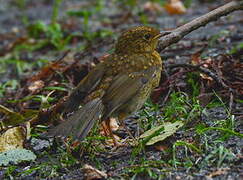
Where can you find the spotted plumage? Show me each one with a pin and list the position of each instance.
(118, 86)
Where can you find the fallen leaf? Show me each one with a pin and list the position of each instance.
(12, 139)
(105, 131)
(175, 7)
(205, 98)
(218, 172)
(161, 132)
(152, 7)
(161, 147)
(59, 65)
(110, 142)
(206, 77)
(36, 85)
(196, 58)
(206, 64)
(27, 130)
(114, 124)
(13, 118)
(91, 173)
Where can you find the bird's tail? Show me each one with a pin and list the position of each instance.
(79, 124)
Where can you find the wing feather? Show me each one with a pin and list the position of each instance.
(88, 84)
(124, 87)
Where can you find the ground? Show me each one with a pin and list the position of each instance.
(78, 33)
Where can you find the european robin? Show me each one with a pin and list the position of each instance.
(116, 87)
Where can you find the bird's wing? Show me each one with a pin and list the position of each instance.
(88, 84)
(126, 86)
(80, 122)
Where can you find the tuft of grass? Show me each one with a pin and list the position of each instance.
(10, 171)
(236, 50)
(187, 145)
(55, 11)
(226, 132)
(42, 35)
(45, 34)
(145, 168)
(86, 15)
(213, 39)
(192, 80)
(21, 4)
(9, 85)
(180, 107)
(218, 156)
(226, 127)
(149, 115)
(187, 3)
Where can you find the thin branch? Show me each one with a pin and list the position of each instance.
(177, 34)
(202, 70)
(231, 102)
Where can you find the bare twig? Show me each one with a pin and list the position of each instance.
(177, 34)
(202, 70)
(231, 102)
(173, 37)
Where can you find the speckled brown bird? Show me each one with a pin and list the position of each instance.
(116, 87)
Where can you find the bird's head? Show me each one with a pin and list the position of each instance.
(141, 39)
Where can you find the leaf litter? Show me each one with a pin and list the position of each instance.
(226, 69)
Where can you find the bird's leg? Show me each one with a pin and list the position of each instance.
(121, 118)
(108, 131)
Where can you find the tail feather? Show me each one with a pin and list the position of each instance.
(79, 124)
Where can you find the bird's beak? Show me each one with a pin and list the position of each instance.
(162, 33)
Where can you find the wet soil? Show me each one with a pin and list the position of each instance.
(217, 38)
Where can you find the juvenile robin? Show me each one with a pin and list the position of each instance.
(116, 87)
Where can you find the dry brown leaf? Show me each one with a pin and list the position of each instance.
(196, 58)
(12, 139)
(161, 147)
(60, 65)
(152, 7)
(36, 85)
(218, 172)
(204, 98)
(91, 173)
(206, 77)
(103, 58)
(114, 124)
(205, 65)
(110, 142)
(47, 71)
(105, 131)
(175, 7)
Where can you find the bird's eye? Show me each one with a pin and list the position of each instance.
(147, 36)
